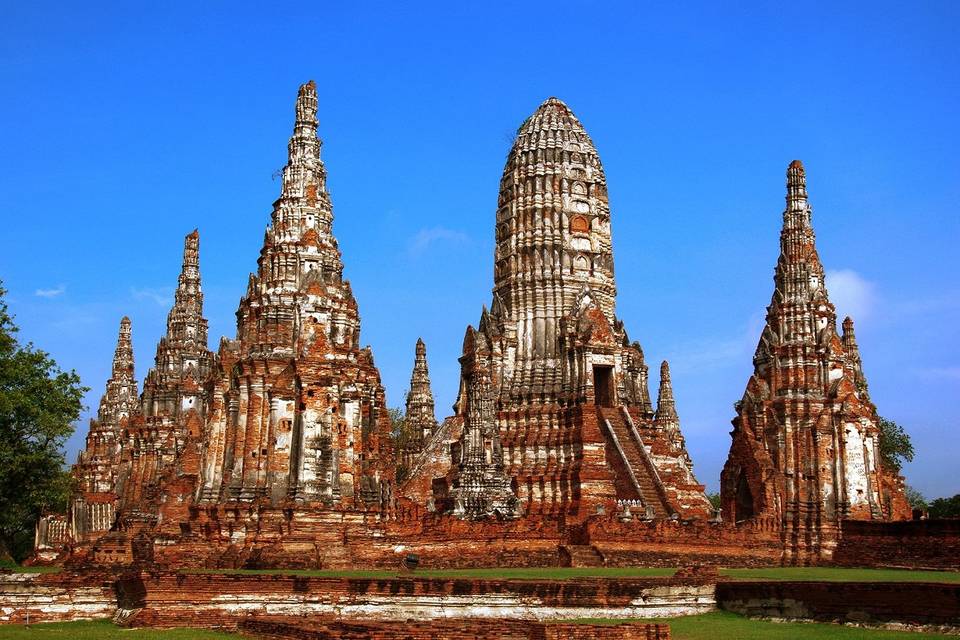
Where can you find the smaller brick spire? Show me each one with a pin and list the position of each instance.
(849, 337)
(183, 361)
(420, 406)
(120, 399)
(185, 322)
(666, 406)
(852, 352)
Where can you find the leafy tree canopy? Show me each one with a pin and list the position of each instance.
(945, 507)
(38, 404)
(895, 445)
(915, 498)
(401, 437)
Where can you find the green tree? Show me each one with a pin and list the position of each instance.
(401, 437)
(38, 404)
(895, 445)
(714, 499)
(915, 498)
(945, 507)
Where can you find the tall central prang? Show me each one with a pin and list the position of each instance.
(552, 247)
(554, 399)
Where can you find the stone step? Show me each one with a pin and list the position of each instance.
(637, 461)
(582, 555)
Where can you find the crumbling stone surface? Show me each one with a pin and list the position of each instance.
(805, 450)
(38, 597)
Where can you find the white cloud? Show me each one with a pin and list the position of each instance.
(426, 237)
(163, 296)
(949, 373)
(850, 293)
(51, 293)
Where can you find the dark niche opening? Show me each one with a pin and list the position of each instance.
(603, 385)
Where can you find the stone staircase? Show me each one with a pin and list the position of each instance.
(583, 555)
(637, 459)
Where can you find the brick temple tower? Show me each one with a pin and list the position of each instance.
(174, 396)
(298, 412)
(805, 450)
(420, 414)
(554, 401)
(93, 508)
(174, 385)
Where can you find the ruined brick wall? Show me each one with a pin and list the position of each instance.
(203, 600)
(919, 544)
(453, 630)
(861, 602)
(669, 543)
(39, 597)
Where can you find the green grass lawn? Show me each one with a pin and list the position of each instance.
(833, 574)
(718, 625)
(722, 625)
(104, 630)
(842, 574)
(21, 569)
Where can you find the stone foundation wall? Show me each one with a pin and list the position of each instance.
(217, 600)
(454, 630)
(669, 543)
(860, 602)
(219, 538)
(917, 544)
(37, 597)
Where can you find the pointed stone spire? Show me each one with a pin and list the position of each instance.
(186, 323)
(297, 348)
(300, 255)
(801, 384)
(483, 488)
(120, 399)
(420, 415)
(796, 186)
(183, 360)
(304, 174)
(799, 276)
(97, 465)
(849, 337)
(666, 406)
(854, 362)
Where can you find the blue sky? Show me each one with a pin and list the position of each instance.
(125, 126)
